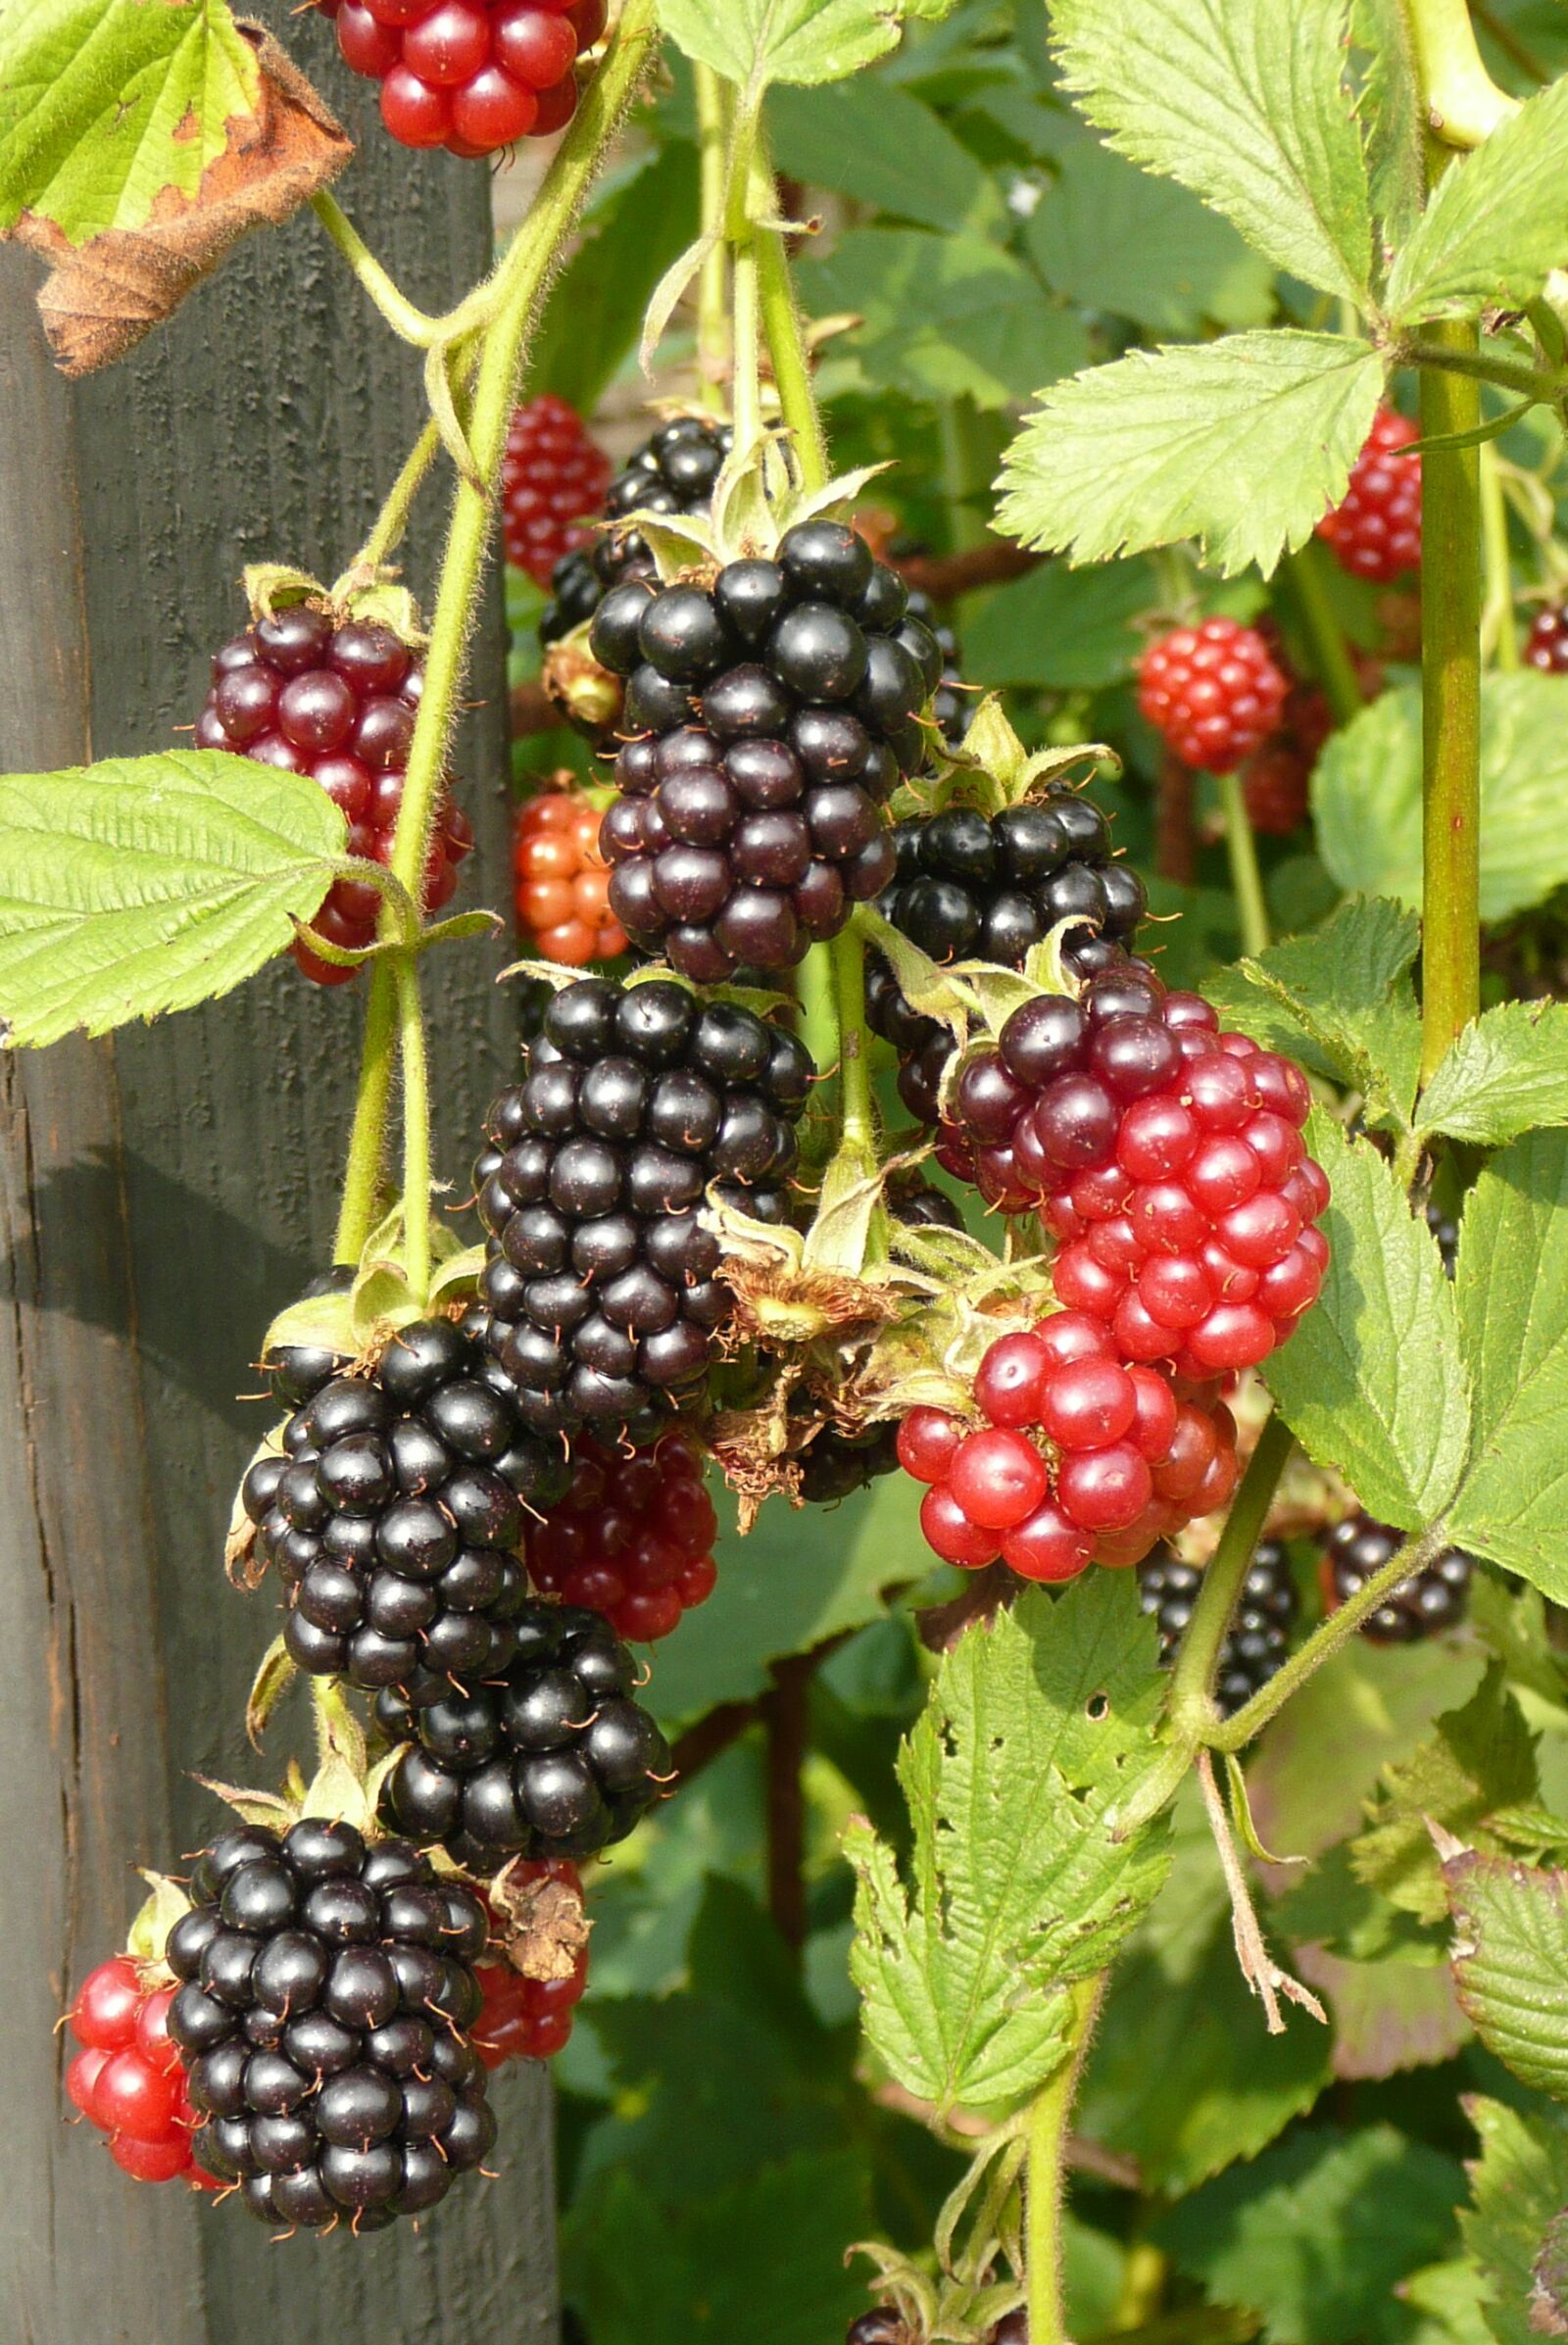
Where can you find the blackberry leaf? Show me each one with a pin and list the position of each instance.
(1510, 1953)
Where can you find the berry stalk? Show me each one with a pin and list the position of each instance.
(715, 355)
(857, 1117)
(416, 1126)
(786, 340)
(1498, 625)
(1450, 689)
(1192, 1704)
(1247, 880)
(1046, 2169)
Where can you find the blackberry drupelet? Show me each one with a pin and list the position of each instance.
(328, 1989)
(553, 479)
(1259, 1633)
(673, 473)
(601, 1296)
(968, 888)
(394, 1513)
(838, 1464)
(771, 717)
(552, 1758)
(950, 707)
(471, 76)
(1422, 1607)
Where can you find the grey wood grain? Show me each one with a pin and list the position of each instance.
(191, 1190)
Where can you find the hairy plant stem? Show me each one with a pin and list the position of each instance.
(859, 1117)
(1463, 104)
(1450, 693)
(1331, 653)
(1499, 629)
(1247, 880)
(416, 1126)
(393, 518)
(1046, 2169)
(1463, 355)
(782, 327)
(1191, 1708)
(511, 297)
(715, 353)
(406, 318)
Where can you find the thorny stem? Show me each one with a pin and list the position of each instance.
(1043, 2185)
(714, 348)
(1331, 653)
(1191, 1707)
(1499, 627)
(511, 297)
(1247, 880)
(1450, 689)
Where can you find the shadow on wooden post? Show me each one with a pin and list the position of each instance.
(160, 1196)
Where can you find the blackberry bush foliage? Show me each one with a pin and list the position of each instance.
(772, 716)
(394, 1512)
(550, 1758)
(601, 1297)
(328, 1990)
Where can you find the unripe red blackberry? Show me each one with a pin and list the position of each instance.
(127, 2080)
(530, 2019)
(553, 482)
(966, 887)
(550, 1759)
(394, 1513)
(562, 881)
(673, 473)
(632, 1538)
(773, 715)
(600, 1294)
(1258, 1638)
(1546, 644)
(1424, 1605)
(323, 2025)
(470, 76)
(1212, 692)
(337, 703)
(1375, 530)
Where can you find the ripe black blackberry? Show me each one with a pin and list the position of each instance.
(328, 1989)
(673, 473)
(1259, 1634)
(394, 1511)
(773, 716)
(1424, 1605)
(601, 1297)
(882, 2325)
(551, 1759)
(950, 707)
(971, 888)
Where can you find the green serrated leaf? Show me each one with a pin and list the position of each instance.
(1243, 444)
(1246, 104)
(148, 884)
(1110, 238)
(755, 42)
(1480, 1758)
(1319, 2231)
(1506, 1074)
(1511, 1287)
(1548, 2294)
(1390, 114)
(1518, 2187)
(1510, 1959)
(1039, 1722)
(1340, 1000)
(1366, 795)
(1494, 226)
(1371, 1382)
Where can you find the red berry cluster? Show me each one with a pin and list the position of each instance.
(1375, 531)
(632, 1538)
(1169, 1161)
(1082, 1458)
(1546, 646)
(562, 881)
(528, 2019)
(553, 478)
(337, 703)
(128, 2080)
(1214, 692)
(469, 76)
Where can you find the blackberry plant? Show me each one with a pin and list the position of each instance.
(1430, 1601)
(1258, 1638)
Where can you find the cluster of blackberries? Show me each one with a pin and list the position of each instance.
(1214, 692)
(328, 1989)
(883, 2325)
(1259, 1634)
(673, 473)
(337, 703)
(599, 1298)
(561, 882)
(1424, 1605)
(552, 1758)
(773, 715)
(968, 888)
(393, 1514)
(1546, 644)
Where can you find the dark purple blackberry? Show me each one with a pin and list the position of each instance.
(1259, 1634)
(673, 473)
(773, 715)
(328, 1990)
(601, 1298)
(838, 1464)
(950, 707)
(880, 2326)
(551, 1759)
(968, 888)
(394, 1512)
(1424, 1605)
(296, 1372)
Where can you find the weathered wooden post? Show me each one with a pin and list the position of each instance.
(161, 1195)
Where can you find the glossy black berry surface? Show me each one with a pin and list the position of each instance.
(326, 1990)
(1424, 1605)
(552, 1759)
(673, 473)
(1259, 1633)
